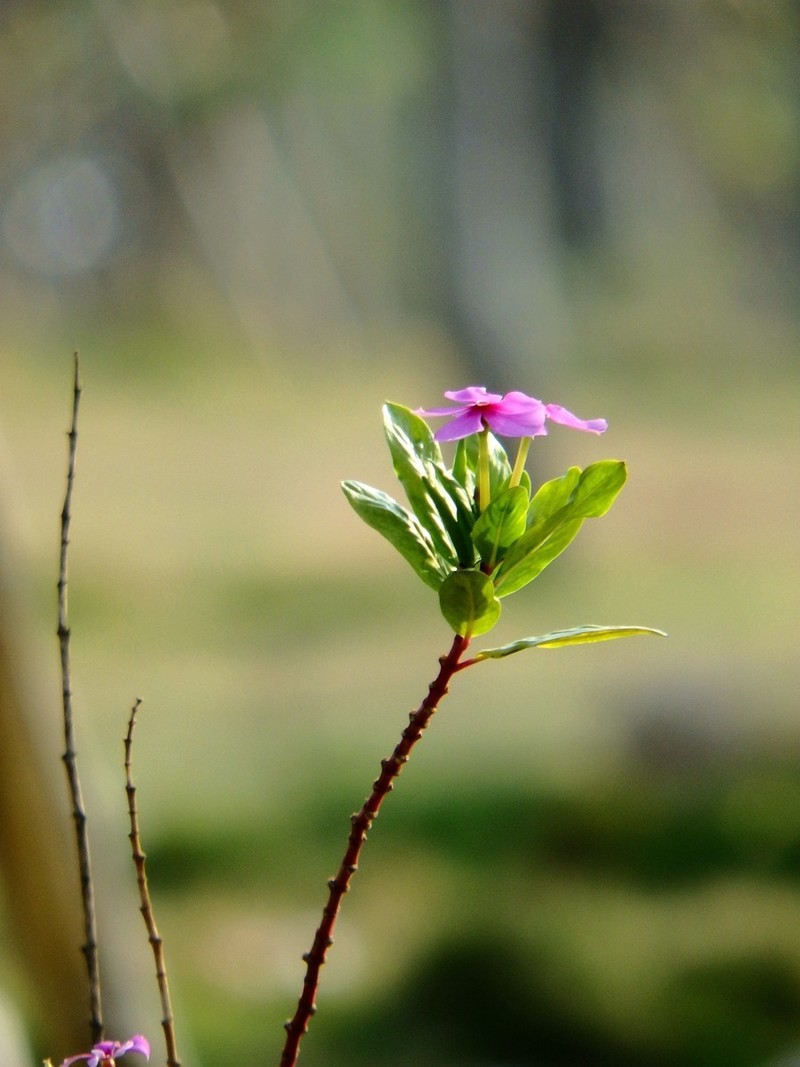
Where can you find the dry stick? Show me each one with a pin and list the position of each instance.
(361, 823)
(89, 948)
(146, 908)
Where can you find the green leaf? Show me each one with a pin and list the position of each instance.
(437, 500)
(588, 495)
(580, 635)
(468, 602)
(411, 444)
(532, 565)
(400, 423)
(464, 467)
(552, 496)
(456, 509)
(499, 466)
(501, 524)
(532, 552)
(400, 528)
(525, 482)
(598, 487)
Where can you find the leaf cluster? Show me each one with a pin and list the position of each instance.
(475, 557)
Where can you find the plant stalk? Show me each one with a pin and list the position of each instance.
(519, 462)
(484, 492)
(146, 904)
(360, 825)
(70, 757)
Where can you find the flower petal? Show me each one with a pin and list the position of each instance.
(513, 415)
(442, 411)
(566, 418)
(111, 1050)
(467, 422)
(138, 1044)
(511, 425)
(516, 401)
(473, 394)
(517, 415)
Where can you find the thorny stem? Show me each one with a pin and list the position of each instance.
(89, 948)
(360, 825)
(146, 906)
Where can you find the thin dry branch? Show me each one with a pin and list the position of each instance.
(146, 906)
(70, 755)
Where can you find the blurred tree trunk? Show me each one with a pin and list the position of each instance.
(36, 860)
(520, 177)
(570, 40)
(38, 866)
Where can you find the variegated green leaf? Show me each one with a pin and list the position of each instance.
(580, 635)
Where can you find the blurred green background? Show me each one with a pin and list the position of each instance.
(257, 222)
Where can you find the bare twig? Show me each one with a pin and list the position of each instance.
(146, 907)
(70, 755)
(360, 824)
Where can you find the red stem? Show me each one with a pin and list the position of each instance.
(361, 823)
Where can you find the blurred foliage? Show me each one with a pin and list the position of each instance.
(646, 833)
(500, 977)
(503, 171)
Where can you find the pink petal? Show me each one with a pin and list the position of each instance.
(511, 424)
(518, 415)
(516, 401)
(138, 1044)
(442, 411)
(467, 422)
(473, 394)
(566, 418)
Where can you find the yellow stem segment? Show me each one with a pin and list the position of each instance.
(519, 462)
(484, 492)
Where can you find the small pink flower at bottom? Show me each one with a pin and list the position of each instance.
(106, 1053)
(512, 415)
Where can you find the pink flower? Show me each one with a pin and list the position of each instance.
(106, 1053)
(512, 415)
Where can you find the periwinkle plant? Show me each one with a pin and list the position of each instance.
(474, 532)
